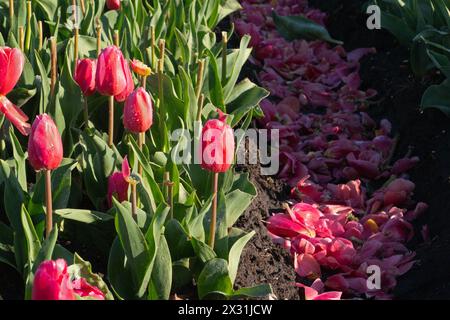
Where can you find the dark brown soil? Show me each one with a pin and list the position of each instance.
(262, 261)
(12, 285)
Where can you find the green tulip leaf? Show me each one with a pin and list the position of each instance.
(214, 278)
(161, 280)
(299, 27)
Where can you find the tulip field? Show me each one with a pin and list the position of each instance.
(224, 149)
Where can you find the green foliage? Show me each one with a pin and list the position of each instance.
(299, 27)
(424, 27)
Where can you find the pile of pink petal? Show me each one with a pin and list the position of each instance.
(331, 151)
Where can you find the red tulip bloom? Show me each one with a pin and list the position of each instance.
(138, 111)
(129, 87)
(52, 282)
(45, 150)
(113, 4)
(111, 75)
(118, 183)
(85, 75)
(217, 150)
(11, 66)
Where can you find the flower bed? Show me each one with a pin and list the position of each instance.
(96, 178)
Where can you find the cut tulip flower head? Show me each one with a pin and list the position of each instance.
(53, 282)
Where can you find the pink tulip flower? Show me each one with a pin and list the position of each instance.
(217, 149)
(85, 75)
(113, 4)
(118, 184)
(138, 111)
(11, 67)
(45, 149)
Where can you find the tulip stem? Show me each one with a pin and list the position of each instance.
(99, 37)
(53, 54)
(224, 56)
(162, 52)
(200, 107)
(74, 12)
(141, 142)
(199, 84)
(170, 197)
(212, 229)
(28, 34)
(75, 48)
(111, 121)
(166, 179)
(161, 107)
(83, 7)
(168, 191)
(48, 203)
(86, 113)
(11, 13)
(152, 44)
(41, 35)
(134, 200)
(160, 84)
(198, 89)
(144, 82)
(21, 38)
(116, 38)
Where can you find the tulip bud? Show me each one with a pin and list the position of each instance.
(217, 145)
(140, 68)
(118, 184)
(85, 75)
(45, 150)
(138, 111)
(129, 87)
(113, 4)
(111, 74)
(11, 66)
(52, 282)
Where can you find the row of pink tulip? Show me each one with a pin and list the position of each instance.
(109, 75)
(329, 158)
